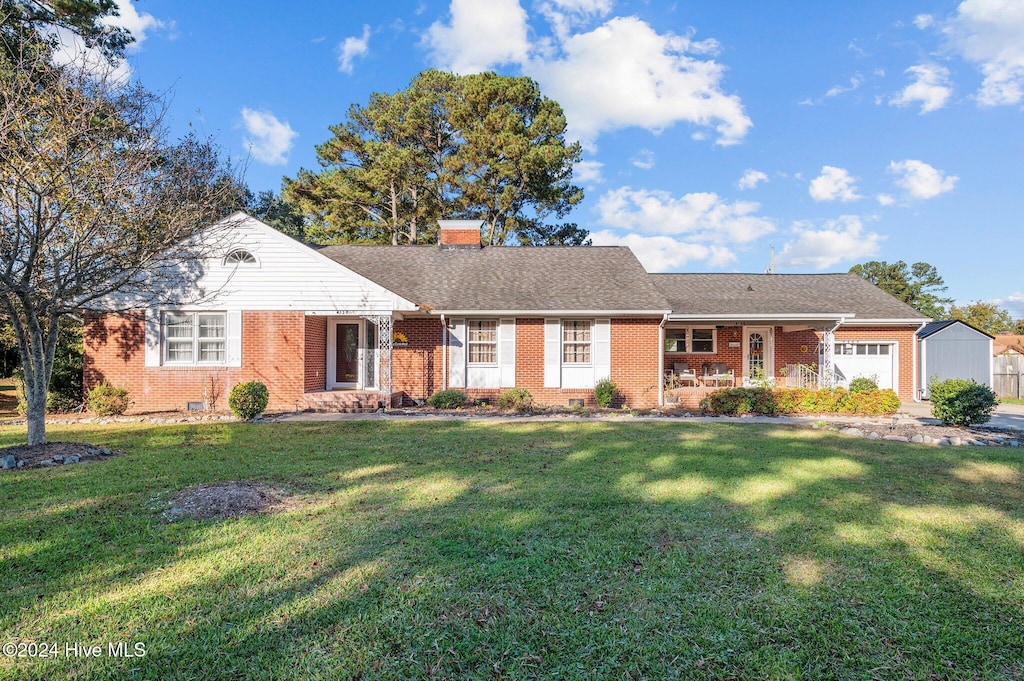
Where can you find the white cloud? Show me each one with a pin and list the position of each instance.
(886, 199)
(920, 180)
(834, 183)
(664, 253)
(923, 21)
(989, 33)
(588, 172)
(1013, 303)
(839, 240)
(644, 159)
(751, 178)
(268, 138)
(930, 87)
(564, 15)
(624, 74)
(702, 216)
(480, 36)
(73, 50)
(855, 82)
(353, 47)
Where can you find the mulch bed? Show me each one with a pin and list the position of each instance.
(55, 454)
(225, 500)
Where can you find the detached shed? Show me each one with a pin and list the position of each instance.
(953, 349)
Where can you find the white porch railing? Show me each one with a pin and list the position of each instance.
(385, 332)
(802, 376)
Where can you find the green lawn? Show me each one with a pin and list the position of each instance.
(533, 550)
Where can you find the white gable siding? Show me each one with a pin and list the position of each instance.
(288, 275)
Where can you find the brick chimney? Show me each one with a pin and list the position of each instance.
(459, 234)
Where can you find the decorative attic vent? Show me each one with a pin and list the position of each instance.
(460, 234)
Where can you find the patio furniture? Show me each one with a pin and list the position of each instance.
(682, 374)
(720, 374)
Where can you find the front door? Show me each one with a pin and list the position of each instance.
(758, 353)
(346, 365)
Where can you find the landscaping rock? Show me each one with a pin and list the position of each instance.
(873, 436)
(928, 439)
(74, 458)
(896, 438)
(956, 441)
(47, 462)
(8, 461)
(942, 442)
(853, 432)
(917, 439)
(92, 452)
(58, 458)
(1014, 443)
(105, 452)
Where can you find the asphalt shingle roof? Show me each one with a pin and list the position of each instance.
(507, 278)
(934, 327)
(780, 294)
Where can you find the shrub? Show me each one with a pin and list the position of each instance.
(59, 403)
(107, 400)
(516, 399)
(765, 402)
(605, 392)
(248, 400)
(861, 384)
(447, 399)
(736, 401)
(958, 402)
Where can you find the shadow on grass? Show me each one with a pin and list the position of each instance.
(454, 549)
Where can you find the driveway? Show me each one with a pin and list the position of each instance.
(1005, 416)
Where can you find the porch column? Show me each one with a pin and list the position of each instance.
(385, 330)
(828, 348)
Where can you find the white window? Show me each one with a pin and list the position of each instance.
(240, 257)
(195, 337)
(576, 341)
(483, 341)
(694, 340)
(862, 349)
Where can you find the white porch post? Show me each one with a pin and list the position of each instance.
(828, 373)
(384, 347)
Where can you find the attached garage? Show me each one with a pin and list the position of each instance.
(876, 360)
(953, 349)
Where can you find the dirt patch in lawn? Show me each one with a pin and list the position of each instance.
(225, 500)
(52, 454)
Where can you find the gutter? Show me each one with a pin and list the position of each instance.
(548, 313)
(761, 316)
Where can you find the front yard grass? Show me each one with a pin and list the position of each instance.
(573, 550)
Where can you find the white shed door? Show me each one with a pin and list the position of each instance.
(876, 361)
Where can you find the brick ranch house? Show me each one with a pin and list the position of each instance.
(342, 327)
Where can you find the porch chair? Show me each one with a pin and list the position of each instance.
(683, 373)
(720, 372)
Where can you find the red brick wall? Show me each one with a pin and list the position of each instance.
(315, 361)
(416, 369)
(634, 344)
(273, 348)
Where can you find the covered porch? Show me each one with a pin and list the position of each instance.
(702, 355)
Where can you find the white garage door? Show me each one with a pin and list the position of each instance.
(876, 361)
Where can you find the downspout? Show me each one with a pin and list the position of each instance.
(661, 360)
(444, 354)
(918, 349)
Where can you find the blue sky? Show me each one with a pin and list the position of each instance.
(835, 132)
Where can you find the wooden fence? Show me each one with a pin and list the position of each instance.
(1008, 376)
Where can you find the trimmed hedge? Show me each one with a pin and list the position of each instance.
(447, 399)
(769, 402)
(862, 384)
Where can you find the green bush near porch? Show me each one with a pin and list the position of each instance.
(769, 402)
